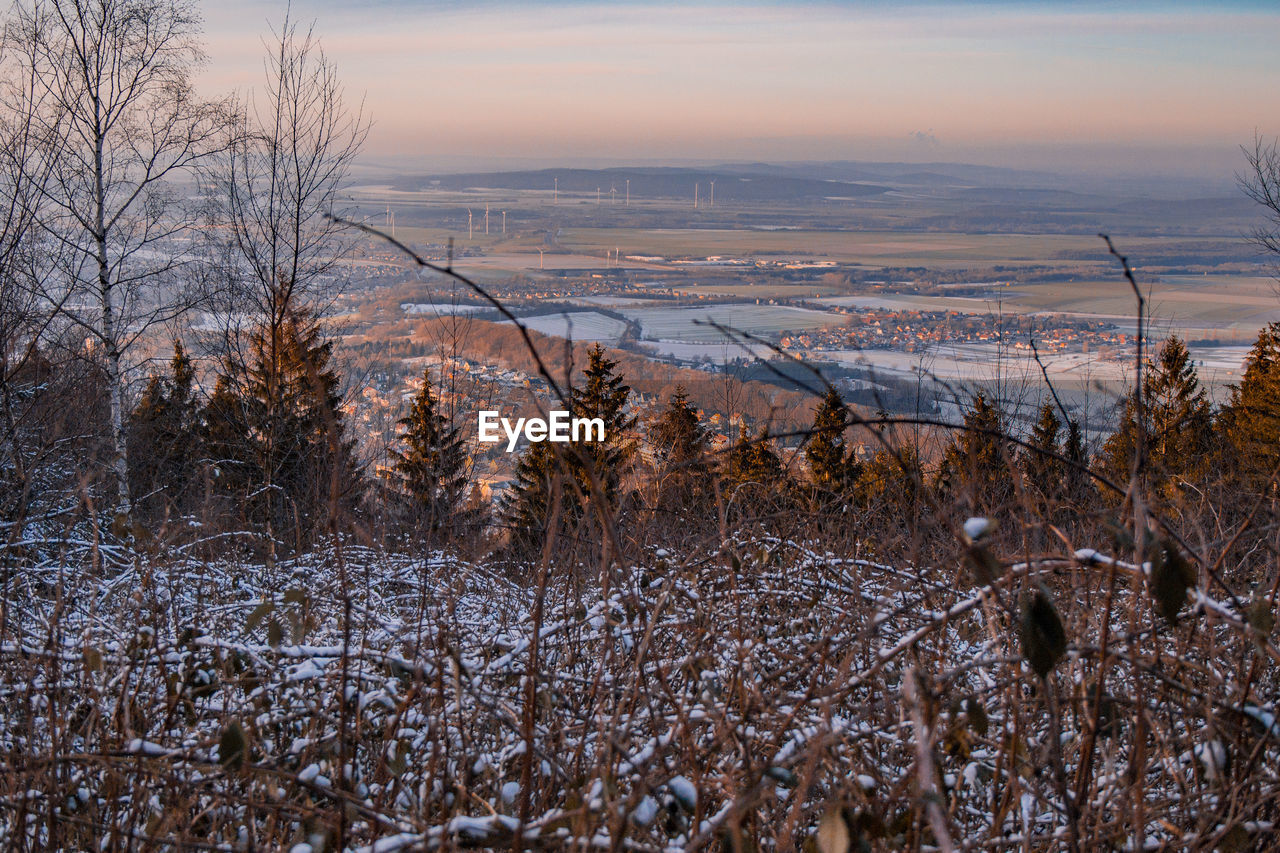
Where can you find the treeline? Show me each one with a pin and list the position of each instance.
(1172, 456)
(730, 392)
(287, 472)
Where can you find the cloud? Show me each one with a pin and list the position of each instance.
(923, 139)
(442, 76)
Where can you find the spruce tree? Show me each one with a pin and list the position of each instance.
(162, 434)
(677, 436)
(543, 474)
(753, 461)
(1079, 484)
(974, 467)
(282, 426)
(431, 466)
(680, 444)
(891, 481)
(526, 508)
(226, 442)
(1251, 419)
(1043, 471)
(603, 395)
(832, 466)
(1178, 431)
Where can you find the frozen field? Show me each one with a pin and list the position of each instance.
(689, 325)
(979, 362)
(437, 309)
(987, 361)
(610, 301)
(718, 353)
(578, 326)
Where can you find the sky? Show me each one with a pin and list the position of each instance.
(1137, 86)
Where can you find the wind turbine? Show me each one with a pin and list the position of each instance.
(695, 196)
(713, 194)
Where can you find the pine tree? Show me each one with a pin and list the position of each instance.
(1178, 433)
(279, 420)
(680, 444)
(753, 461)
(526, 509)
(431, 467)
(544, 475)
(1251, 419)
(1043, 471)
(162, 434)
(603, 395)
(832, 466)
(974, 466)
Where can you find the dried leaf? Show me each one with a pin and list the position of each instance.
(1261, 618)
(985, 567)
(833, 833)
(1171, 577)
(259, 613)
(1044, 640)
(977, 716)
(1234, 839)
(232, 746)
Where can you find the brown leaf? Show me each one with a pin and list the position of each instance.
(1044, 640)
(232, 746)
(833, 833)
(1171, 577)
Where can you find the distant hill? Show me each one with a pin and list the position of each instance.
(654, 182)
(900, 174)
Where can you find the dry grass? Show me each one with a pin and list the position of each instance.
(723, 697)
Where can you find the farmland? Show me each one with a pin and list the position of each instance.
(853, 281)
(578, 326)
(694, 324)
(878, 248)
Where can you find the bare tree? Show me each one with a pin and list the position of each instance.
(278, 184)
(112, 80)
(1261, 182)
(27, 316)
(284, 168)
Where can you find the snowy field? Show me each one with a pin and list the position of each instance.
(609, 301)
(688, 324)
(369, 701)
(717, 353)
(1215, 365)
(981, 362)
(578, 326)
(438, 309)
